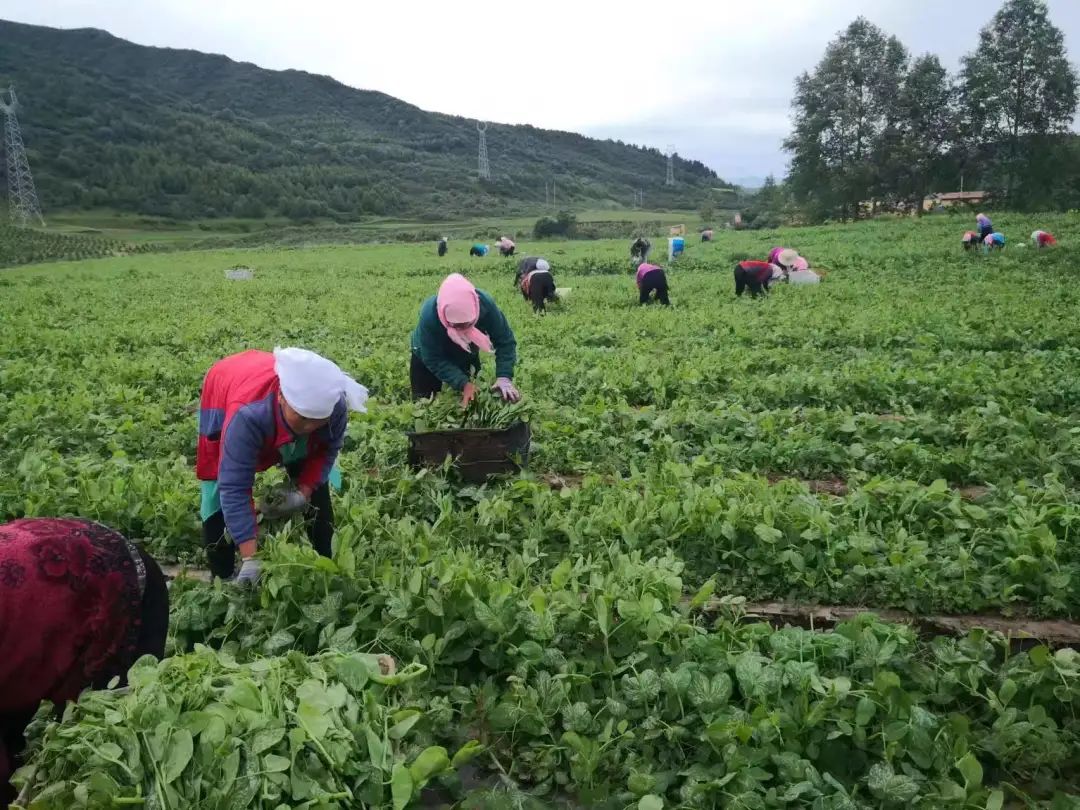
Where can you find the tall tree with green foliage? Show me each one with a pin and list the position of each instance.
(844, 109)
(927, 128)
(1019, 93)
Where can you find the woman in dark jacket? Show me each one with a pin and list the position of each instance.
(454, 327)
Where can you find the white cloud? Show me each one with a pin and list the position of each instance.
(713, 78)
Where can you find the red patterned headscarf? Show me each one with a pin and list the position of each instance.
(70, 611)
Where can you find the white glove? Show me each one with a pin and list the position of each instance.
(506, 389)
(249, 572)
(284, 501)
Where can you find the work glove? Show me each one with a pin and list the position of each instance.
(284, 501)
(249, 572)
(506, 389)
(468, 394)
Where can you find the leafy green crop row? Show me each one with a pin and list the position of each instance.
(25, 246)
(595, 677)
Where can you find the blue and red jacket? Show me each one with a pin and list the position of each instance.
(242, 431)
(759, 272)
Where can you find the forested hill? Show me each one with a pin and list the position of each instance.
(179, 133)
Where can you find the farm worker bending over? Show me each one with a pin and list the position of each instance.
(442, 246)
(970, 240)
(257, 410)
(755, 275)
(506, 246)
(1043, 239)
(79, 604)
(652, 279)
(478, 250)
(985, 226)
(801, 273)
(993, 241)
(536, 282)
(639, 250)
(454, 327)
(783, 257)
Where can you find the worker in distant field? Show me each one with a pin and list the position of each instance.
(784, 258)
(652, 284)
(707, 235)
(79, 603)
(756, 275)
(536, 282)
(506, 246)
(970, 240)
(993, 241)
(1043, 239)
(985, 226)
(258, 410)
(639, 250)
(478, 250)
(442, 246)
(455, 325)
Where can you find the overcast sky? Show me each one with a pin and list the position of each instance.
(714, 79)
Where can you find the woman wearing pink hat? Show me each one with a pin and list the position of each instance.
(454, 327)
(783, 258)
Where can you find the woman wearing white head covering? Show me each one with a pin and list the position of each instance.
(257, 410)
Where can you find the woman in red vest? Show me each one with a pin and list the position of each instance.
(258, 410)
(755, 275)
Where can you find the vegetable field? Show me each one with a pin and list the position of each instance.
(26, 246)
(906, 434)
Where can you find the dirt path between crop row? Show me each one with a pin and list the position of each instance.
(1023, 632)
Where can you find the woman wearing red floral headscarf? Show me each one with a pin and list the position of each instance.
(79, 603)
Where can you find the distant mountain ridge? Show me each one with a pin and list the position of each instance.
(179, 133)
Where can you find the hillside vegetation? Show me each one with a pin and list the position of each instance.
(184, 134)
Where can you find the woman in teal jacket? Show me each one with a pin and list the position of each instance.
(454, 327)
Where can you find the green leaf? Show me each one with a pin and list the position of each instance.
(703, 594)
(1007, 691)
(995, 800)
(431, 762)
(466, 753)
(177, 756)
(603, 615)
(767, 534)
(864, 711)
(650, 802)
(401, 786)
(402, 726)
(276, 764)
(971, 769)
(560, 575)
(376, 748)
(266, 738)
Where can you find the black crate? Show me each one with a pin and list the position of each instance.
(477, 454)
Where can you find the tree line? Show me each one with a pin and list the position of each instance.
(877, 130)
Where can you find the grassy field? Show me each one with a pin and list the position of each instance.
(905, 434)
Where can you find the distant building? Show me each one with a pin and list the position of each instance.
(952, 199)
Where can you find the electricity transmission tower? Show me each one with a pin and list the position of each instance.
(670, 181)
(483, 166)
(22, 196)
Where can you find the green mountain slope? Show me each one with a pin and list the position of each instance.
(108, 123)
